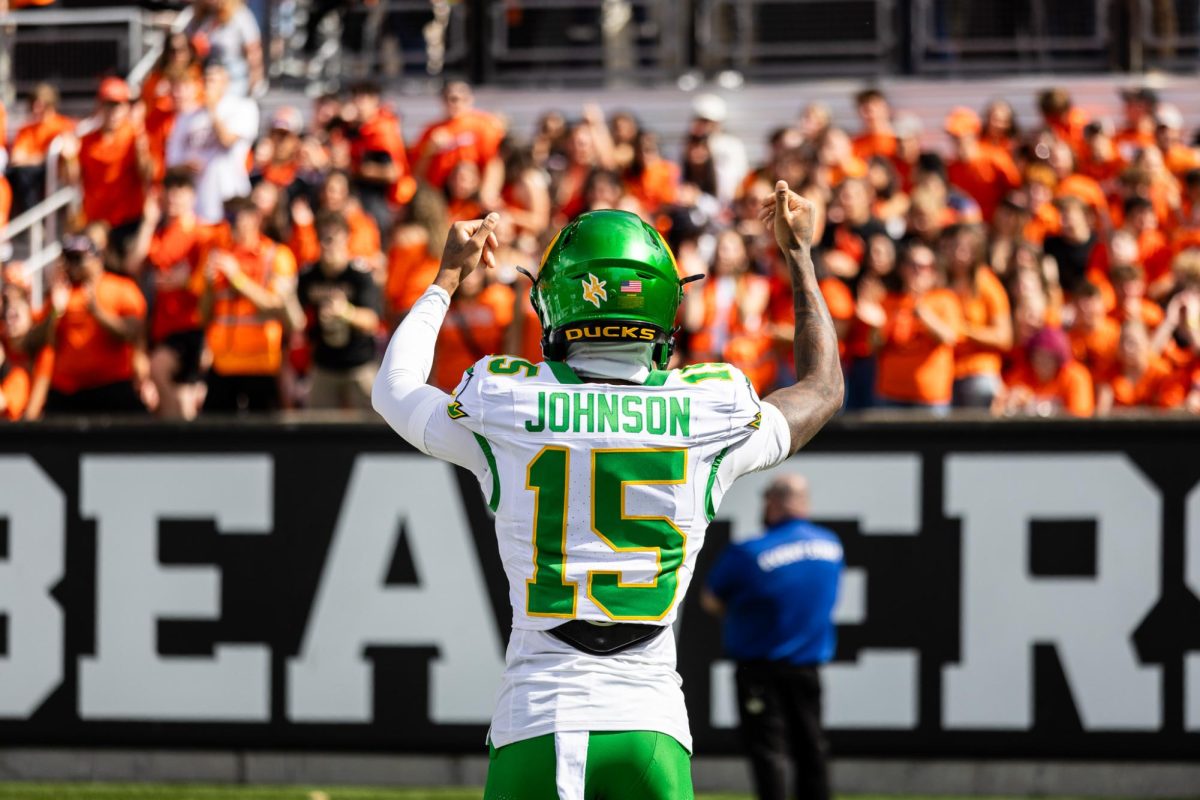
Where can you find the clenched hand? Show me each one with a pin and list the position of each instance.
(467, 245)
(791, 216)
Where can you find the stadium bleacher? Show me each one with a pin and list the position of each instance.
(759, 130)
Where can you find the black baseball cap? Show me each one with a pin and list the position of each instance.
(1143, 94)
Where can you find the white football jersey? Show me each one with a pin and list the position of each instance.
(602, 492)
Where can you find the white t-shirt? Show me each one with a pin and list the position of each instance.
(729, 163)
(603, 494)
(222, 171)
(227, 43)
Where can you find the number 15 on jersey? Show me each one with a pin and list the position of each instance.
(549, 593)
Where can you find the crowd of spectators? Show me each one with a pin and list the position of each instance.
(1039, 266)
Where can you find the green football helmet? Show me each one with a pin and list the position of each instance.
(608, 277)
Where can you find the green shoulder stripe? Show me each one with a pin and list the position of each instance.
(710, 511)
(486, 447)
(563, 372)
(657, 377)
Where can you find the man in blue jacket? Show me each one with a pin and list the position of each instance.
(776, 593)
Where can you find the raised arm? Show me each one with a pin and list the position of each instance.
(400, 395)
(817, 393)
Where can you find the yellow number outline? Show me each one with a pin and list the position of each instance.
(509, 365)
(537, 507)
(624, 484)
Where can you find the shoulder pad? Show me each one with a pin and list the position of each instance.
(728, 389)
(509, 366)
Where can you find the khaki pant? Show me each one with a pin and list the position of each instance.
(349, 388)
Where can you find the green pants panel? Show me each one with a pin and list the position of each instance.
(621, 765)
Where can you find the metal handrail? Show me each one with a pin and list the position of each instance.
(925, 41)
(76, 16)
(63, 197)
(41, 221)
(80, 17)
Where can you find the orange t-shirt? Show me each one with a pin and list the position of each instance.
(867, 145)
(1159, 387)
(531, 328)
(913, 366)
(5, 200)
(1181, 159)
(1086, 190)
(1149, 313)
(570, 191)
(1130, 140)
(411, 268)
(852, 167)
(382, 135)
(657, 186)
(1096, 349)
(362, 243)
(87, 356)
(41, 365)
(1185, 238)
(463, 209)
(1072, 388)
(988, 304)
(1046, 221)
(177, 250)
(33, 140)
(840, 301)
(241, 341)
(727, 337)
(1070, 127)
(988, 178)
(474, 136)
(113, 189)
(1159, 200)
(14, 385)
(1154, 253)
(1099, 170)
(281, 173)
(715, 333)
(160, 117)
(473, 328)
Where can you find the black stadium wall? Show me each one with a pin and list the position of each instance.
(1013, 590)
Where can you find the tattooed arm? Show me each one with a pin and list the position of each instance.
(817, 394)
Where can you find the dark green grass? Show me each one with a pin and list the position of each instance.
(135, 791)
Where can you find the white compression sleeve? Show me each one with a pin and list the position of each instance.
(402, 397)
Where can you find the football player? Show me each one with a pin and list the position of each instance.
(604, 470)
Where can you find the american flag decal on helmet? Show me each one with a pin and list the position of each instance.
(632, 287)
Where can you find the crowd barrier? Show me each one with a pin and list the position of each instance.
(1014, 589)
